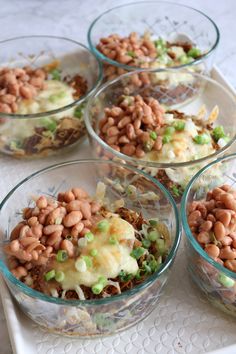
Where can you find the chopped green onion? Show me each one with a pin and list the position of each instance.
(15, 145)
(153, 135)
(131, 54)
(146, 243)
(93, 252)
(180, 125)
(153, 222)
(113, 240)
(61, 256)
(194, 52)
(169, 130)
(50, 275)
(68, 237)
(80, 265)
(146, 267)
(166, 139)
(60, 276)
(82, 242)
(88, 261)
(218, 132)
(160, 44)
(153, 235)
(57, 97)
(153, 265)
(102, 280)
(124, 277)
(78, 112)
(138, 275)
(175, 191)
(137, 252)
(97, 288)
(56, 75)
(147, 145)
(49, 124)
(202, 139)
(225, 281)
(89, 236)
(161, 245)
(103, 225)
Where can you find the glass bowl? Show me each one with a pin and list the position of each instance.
(169, 21)
(102, 316)
(217, 282)
(180, 90)
(44, 126)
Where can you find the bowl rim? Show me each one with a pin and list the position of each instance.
(129, 67)
(200, 251)
(75, 102)
(141, 162)
(123, 296)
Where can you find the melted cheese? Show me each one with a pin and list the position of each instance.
(109, 261)
(56, 94)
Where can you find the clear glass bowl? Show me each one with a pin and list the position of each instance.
(180, 90)
(205, 271)
(90, 317)
(170, 21)
(45, 133)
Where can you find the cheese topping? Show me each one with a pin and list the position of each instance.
(56, 94)
(109, 260)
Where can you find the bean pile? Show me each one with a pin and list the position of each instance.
(50, 226)
(18, 83)
(213, 223)
(131, 126)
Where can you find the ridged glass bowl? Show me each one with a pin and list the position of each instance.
(167, 20)
(216, 282)
(99, 317)
(179, 90)
(61, 125)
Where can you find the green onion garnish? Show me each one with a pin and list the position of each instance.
(169, 130)
(50, 275)
(78, 112)
(218, 132)
(89, 236)
(61, 256)
(56, 75)
(80, 265)
(124, 277)
(194, 52)
(202, 139)
(97, 288)
(113, 240)
(153, 235)
(153, 135)
(103, 225)
(94, 252)
(146, 243)
(180, 125)
(60, 276)
(137, 252)
(153, 222)
(166, 139)
(102, 280)
(88, 261)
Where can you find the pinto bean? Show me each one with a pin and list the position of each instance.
(227, 253)
(73, 218)
(68, 246)
(79, 193)
(42, 202)
(49, 229)
(212, 250)
(206, 226)
(86, 210)
(54, 238)
(219, 230)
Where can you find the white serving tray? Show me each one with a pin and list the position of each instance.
(183, 322)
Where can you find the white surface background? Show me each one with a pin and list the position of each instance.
(71, 18)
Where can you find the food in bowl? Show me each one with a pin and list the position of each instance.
(208, 212)
(169, 134)
(42, 95)
(142, 127)
(80, 247)
(145, 52)
(126, 189)
(153, 34)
